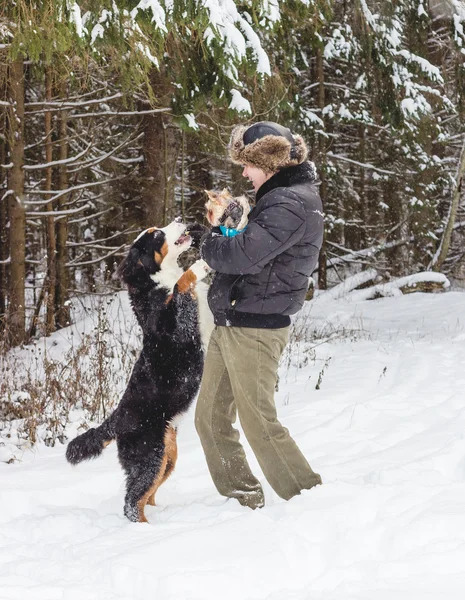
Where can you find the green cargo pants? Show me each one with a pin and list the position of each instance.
(239, 377)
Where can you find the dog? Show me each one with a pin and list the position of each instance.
(226, 211)
(166, 376)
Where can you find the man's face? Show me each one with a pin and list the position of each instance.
(256, 176)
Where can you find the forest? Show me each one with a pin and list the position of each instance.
(115, 115)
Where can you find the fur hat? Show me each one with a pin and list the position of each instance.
(266, 145)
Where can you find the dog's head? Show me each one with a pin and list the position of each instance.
(225, 209)
(216, 204)
(156, 247)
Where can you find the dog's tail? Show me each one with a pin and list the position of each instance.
(91, 443)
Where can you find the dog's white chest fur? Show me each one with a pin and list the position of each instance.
(205, 314)
(168, 275)
(167, 278)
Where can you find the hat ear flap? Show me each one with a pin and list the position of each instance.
(299, 151)
(236, 144)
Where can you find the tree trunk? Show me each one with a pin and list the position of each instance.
(3, 225)
(364, 212)
(441, 253)
(159, 167)
(398, 257)
(160, 154)
(62, 311)
(200, 179)
(322, 273)
(16, 307)
(49, 220)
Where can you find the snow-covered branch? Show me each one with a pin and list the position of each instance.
(364, 165)
(95, 260)
(66, 104)
(58, 213)
(54, 163)
(55, 195)
(121, 113)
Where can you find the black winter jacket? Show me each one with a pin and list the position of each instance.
(262, 274)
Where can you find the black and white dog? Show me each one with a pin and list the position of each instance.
(173, 314)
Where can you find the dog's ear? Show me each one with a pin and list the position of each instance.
(213, 196)
(129, 265)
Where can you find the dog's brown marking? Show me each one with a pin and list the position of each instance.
(106, 443)
(151, 491)
(151, 229)
(169, 298)
(186, 282)
(171, 455)
(159, 256)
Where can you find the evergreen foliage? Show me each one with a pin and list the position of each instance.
(143, 97)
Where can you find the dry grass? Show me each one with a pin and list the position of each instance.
(40, 388)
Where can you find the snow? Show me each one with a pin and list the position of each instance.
(190, 118)
(158, 12)
(350, 283)
(239, 103)
(310, 117)
(270, 8)
(145, 50)
(392, 288)
(97, 32)
(75, 17)
(337, 46)
(421, 10)
(227, 22)
(432, 71)
(385, 429)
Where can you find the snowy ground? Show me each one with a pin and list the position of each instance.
(386, 430)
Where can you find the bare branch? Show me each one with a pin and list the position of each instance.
(110, 237)
(96, 260)
(94, 215)
(102, 157)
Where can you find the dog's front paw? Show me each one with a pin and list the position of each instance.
(200, 269)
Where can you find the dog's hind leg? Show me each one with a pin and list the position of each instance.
(171, 455)
(143, 478)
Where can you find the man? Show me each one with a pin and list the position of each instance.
(261, 278)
